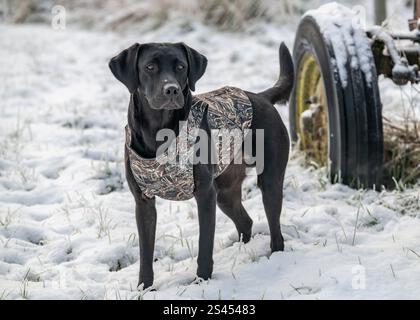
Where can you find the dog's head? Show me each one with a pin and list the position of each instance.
(163, 72)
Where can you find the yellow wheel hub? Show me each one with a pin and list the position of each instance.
(311, 111)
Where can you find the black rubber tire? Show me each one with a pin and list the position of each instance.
(354, 111)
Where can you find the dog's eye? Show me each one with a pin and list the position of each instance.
(150, 67)
(180, 67)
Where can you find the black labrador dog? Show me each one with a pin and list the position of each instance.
(160, 78)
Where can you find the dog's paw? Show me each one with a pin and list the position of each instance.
(141, 288)
(199, 280)
(204, 272)
(146, 285)
(277, 246)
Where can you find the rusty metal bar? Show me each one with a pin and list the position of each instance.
(412, 23)
(380, 11)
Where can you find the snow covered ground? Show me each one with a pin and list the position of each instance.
(67, 227)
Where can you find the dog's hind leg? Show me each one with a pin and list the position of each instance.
(229, 200)
(235, 211)
(270, 180)
(272, 194)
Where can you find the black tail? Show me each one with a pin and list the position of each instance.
(281, 91)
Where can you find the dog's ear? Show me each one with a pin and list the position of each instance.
(197, 64)
(124, 67)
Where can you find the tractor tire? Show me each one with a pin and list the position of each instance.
(353, 134)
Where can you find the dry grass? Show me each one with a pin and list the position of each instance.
(401, 153)
(232, 15)
(238, 14)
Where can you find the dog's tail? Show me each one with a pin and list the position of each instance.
(281, 91)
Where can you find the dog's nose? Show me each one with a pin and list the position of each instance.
(171, 90)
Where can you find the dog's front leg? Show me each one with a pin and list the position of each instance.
(205, 195)
(146, 225)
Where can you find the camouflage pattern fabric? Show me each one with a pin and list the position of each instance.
(170, 174)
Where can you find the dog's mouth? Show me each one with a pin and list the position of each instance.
(166, 104)
(171, 105)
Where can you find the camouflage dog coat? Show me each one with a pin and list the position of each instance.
(227, 108)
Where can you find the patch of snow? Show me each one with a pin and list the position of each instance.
(349, 41)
